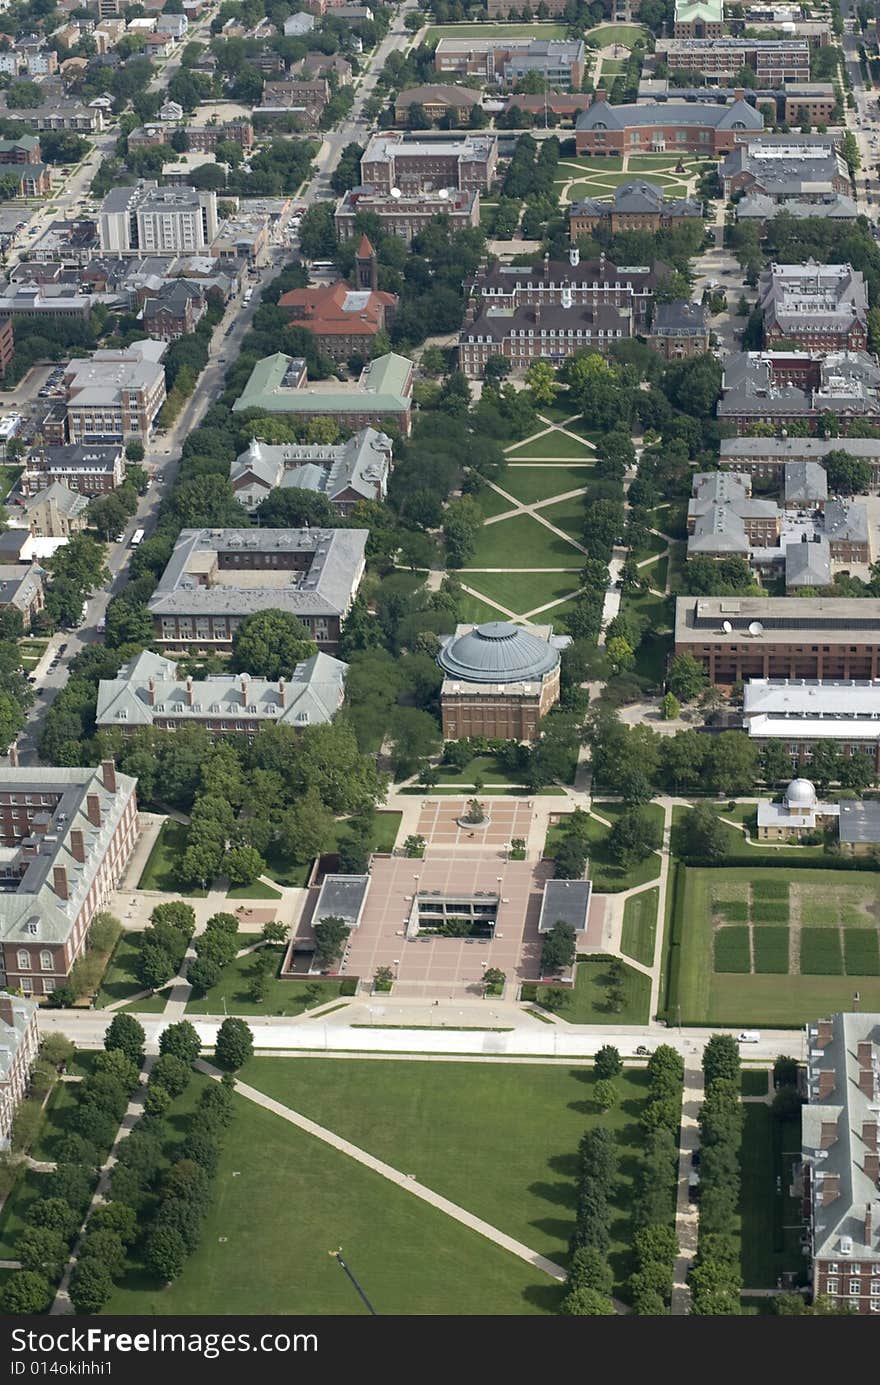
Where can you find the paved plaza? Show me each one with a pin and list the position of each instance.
(508, 818)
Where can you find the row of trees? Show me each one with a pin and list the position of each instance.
(588, 1287)
(716, 1280)
(654, 1243)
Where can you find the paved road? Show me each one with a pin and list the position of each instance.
(524, 1038)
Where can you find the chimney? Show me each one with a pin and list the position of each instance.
(59, 882)
(244, 690)
(830, 1188)
(868, 1224)
(537, 314)
(93, 809)
(829, 1134)
(78, 845)
(864, 1053)
(872, 1167)
(282, 692)
(827, 1082)
(869, 1134)
(7, 1013)
(824, 1033)
(189, 692)
(13, 756)
(152, 692)
(866, 1082)
(108, 773)
(739, 94)
(600, 94)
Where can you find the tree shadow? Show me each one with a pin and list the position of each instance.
(561, 1194)
(547, 1297)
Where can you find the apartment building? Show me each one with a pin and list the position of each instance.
(406, 215)
(774, 61)
(841, 1159)
(508, 60)
(346, 472)
(425, 164)
(680, 127)
(92, 470)
(115, 396)
(735, 638)
(149, 220)
(149, 691)
(67, 836)
(819, 307)
(23, 150)
(19, 1046)
(216, 578)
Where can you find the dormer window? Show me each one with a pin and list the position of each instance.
(122, 714)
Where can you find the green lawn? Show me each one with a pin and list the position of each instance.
(160, 872)
(282, 1200)
(534, 483)
(522, 542)
(8, 477)
(770, 1220)
(257, 890)
(569, 515)
(573, 167)
(640, 926)
(500, 1141)
(588, 1003)
(754, 1081)
(560, 411)
(491, 503)
(702, 996)
(120, 980)
(470, 608)
(522, 591)
(612, 67)
(282, 997)
(656, 573)
(606, 875)
(484, 765)
(287, 872)
(607, 34)
(555, 445)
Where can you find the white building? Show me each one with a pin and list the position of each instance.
(150, 220)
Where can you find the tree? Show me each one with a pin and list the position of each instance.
(171, 1073)
(90, 1286)
(686, 678)
(270, 644)
(181, 1041)
(126, 1034)
(721, 1059)
(235, 1044)
(670, 707)
(203, 974)
(605, 1094)
(157, 1101)
(607, 1063)
(119, 1066)
(243, 865)
(633, 837)
(702, 834)
(541, 379)
(558, 947)
(621, 654)
(26, 1292)
(582, 1302)
(118, 1217)
(847, 475)
(571, 859)
(785, 1072)
(733, 763)
(43, 1251)
(165, 1253)
(307, 828)
(331, 935)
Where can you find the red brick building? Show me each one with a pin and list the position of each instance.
(344, 320)
(73, 831)
(668, 127)
(19, 1045)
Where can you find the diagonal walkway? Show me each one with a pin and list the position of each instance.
(409, 1183)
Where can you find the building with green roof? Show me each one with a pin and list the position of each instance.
(279, 384)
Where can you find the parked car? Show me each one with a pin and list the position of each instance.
(642, 1052)
(696, 1157)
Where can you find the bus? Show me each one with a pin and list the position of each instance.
(137, 537)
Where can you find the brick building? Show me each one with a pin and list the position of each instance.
(735, 638)
(591, 283)
(699, 19)
(770, 457)
(423, 164)
(93, 470)
(840, 1159)
(777, 387)
(7, 343)
(216, 578)
(19, 1046)
(635, 206)
(406, 215)
(801, 712)
(499, 680)
(344, 320)
(774, 61)
(679, 330)
(67, 834)
(670, 127)
(280, 385)
(437, 100)
(22, 590)
(819, 307)
(115, 396)
(508, 60)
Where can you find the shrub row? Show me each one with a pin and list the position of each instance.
(164, 943)
(589, 1277)
(654, 1243)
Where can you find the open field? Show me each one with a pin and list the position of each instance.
(731, 938)
(607, 34)
(501, 1142)
(283, 1199)
(770, 1220)
(231, 994)
(640, 926)
(160, 872)
(553, 444)
(531, 484)
(438, 31)
(522, 542)
(522, 591)
(477, 611)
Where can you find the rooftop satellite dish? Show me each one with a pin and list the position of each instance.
(395, 192)
(756, 628)
(727, 627)
(443, 194)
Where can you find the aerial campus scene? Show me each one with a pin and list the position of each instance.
(439, 658)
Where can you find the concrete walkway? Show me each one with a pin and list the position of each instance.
(687, 1220)
(408, 1182)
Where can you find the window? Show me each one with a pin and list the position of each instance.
(831, 1286)
(855, 1286)
(48, 985)
(46, 962)
(24, 960)
(875, 1288)
(27, 985)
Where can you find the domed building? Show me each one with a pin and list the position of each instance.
(799, 814)
(499, 680)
